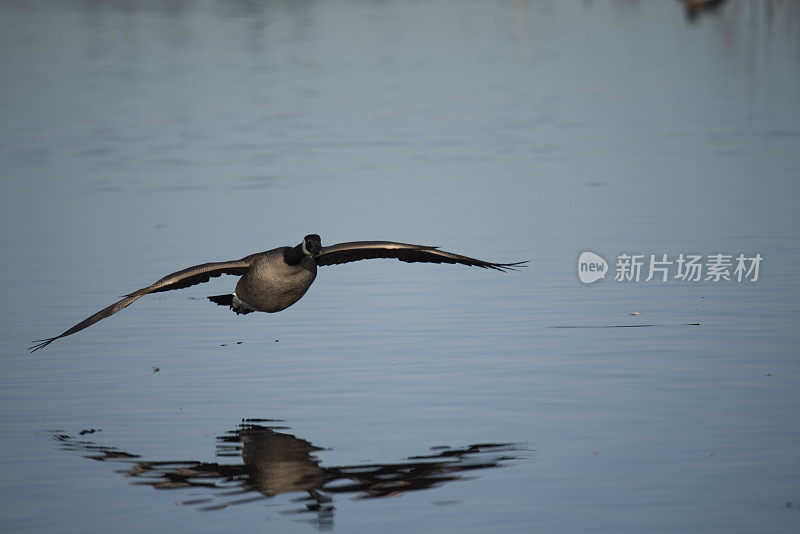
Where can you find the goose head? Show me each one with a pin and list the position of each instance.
(311, 245)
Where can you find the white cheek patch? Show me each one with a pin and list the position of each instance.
(305, 250)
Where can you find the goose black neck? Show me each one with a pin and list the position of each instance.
(292, 256)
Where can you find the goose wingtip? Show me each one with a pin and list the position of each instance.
(40, 344)
(513, 266)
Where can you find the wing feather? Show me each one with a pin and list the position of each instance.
(177, 280)
(365, 250)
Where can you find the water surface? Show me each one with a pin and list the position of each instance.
(138, 138)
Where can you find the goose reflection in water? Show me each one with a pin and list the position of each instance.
(276, 463)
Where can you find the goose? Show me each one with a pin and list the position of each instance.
(273, 280)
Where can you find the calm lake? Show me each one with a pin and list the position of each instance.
(141, 137)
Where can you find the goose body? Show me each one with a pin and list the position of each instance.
(273, 280)
(272, 284)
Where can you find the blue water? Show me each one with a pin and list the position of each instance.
(138, 138)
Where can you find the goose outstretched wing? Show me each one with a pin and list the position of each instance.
(177, 280)
(365, 250)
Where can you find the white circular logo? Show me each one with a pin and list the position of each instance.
(591, 267)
